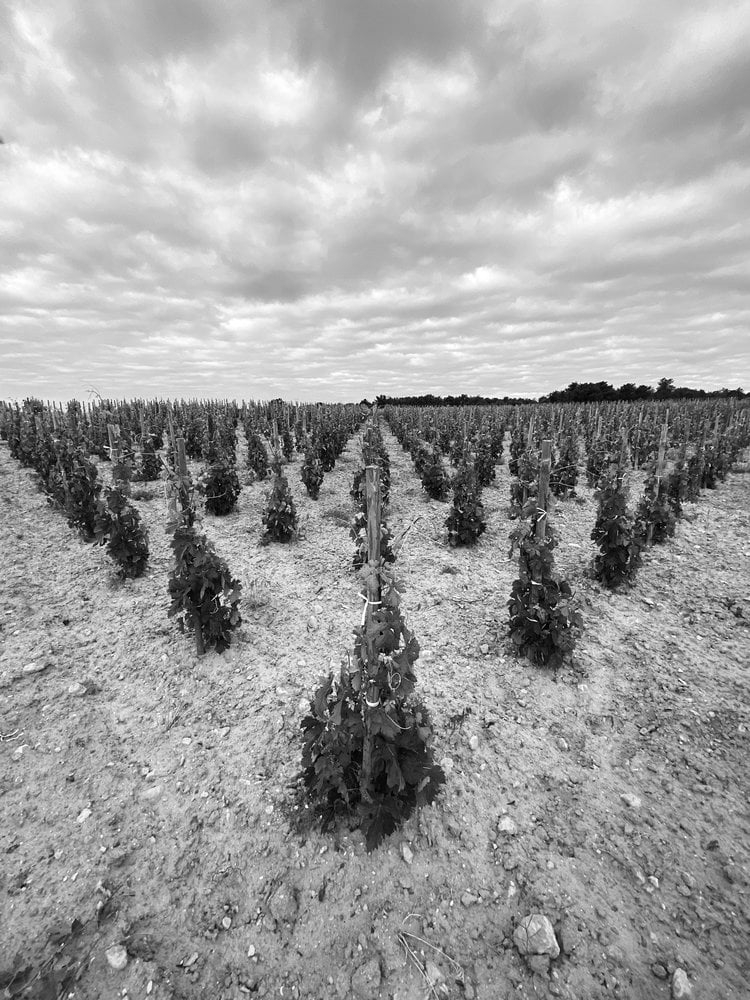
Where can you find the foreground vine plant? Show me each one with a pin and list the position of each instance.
(366, 740)
(542, 617)
(615, 533)
(205, 596)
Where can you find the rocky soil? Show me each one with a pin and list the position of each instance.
(592, 839)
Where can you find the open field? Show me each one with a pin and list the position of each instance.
(144, 791)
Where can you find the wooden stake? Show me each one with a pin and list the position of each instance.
(662, 453)
(544, 474)
(372, 592)
(530, 435)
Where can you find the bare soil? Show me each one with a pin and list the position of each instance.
(145, 794)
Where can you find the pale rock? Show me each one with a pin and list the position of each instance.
(474, 742)
(83, 815)
(535, 935)
(506, 825)
(152, 793)
(681, 987)
(117, 957)
(631, 801)
(34, 668)
(447, 764)
(77, 689)
(406, 853)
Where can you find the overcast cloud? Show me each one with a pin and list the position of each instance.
(326, 199)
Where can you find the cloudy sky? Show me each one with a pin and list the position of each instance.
(327, 199)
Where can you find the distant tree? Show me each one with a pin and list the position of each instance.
(630, 392)
(665, 388)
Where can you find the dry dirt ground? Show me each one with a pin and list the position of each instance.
(144, 792)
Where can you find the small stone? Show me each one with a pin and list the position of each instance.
(77, 689)
(484, 649)
(312, 622)
(467, 899)
(659, 970)
(447, 764)
(34, 668)
(251, 951)
(188, 963)
(117, 957)
(535, 935)
(681, 987)
(562, 744)
(631, 801)
(303, 706)
(149, 987)
(269, 809)
(226, 923)
(83, 815)
(406, 853)
(474, 742)
(366, 980)
(506, 825)
(152, 793)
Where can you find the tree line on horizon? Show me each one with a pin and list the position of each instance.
(576, 392)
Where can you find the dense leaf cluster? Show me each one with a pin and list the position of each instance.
(220, 485)
(280, 515)
(312, 474)
(564, 474)
(542, 616)
(205, 596)
(465, 522)
(436, 482)
(257, 456)
(616, 534)
(655, 511)
(118, 525)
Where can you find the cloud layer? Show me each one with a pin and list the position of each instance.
(326, 200)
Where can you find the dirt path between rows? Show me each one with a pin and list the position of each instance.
(144, 792)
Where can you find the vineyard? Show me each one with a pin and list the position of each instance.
(336, 701)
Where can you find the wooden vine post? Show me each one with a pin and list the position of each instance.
(540, 530)
(541, 503)
(115, 454)
(372, 595)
